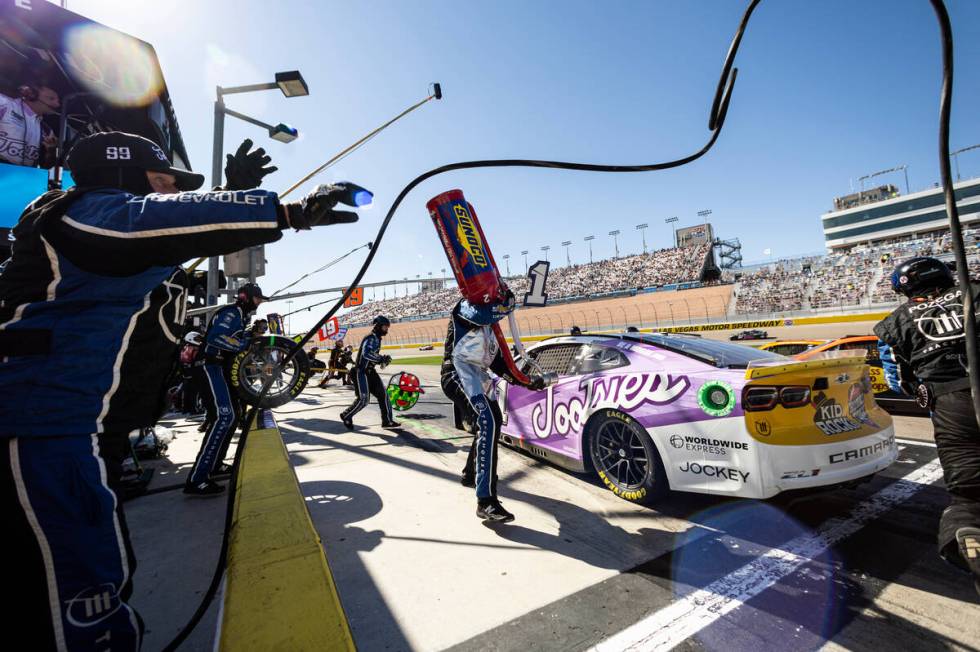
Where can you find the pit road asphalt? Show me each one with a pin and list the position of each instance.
(580, 569)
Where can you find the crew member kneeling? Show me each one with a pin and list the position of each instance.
(923, 351)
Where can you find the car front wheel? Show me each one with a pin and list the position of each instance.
(625, 458)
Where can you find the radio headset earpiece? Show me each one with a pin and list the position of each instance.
(27, 92)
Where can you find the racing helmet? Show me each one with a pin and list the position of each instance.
(247, 292)
(919, 275)
(380, 321)
(194, 338)
(118, 160)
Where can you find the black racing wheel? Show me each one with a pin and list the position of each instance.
(252, 367)
(625, 458)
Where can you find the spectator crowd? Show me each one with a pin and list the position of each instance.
(654, 269)
(856, 276)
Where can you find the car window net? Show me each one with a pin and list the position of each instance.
(557, 358)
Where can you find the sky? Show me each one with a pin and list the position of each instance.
(826, 92)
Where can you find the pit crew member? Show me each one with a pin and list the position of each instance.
(91, 312)
(366, 379)
(923, 352)
(473, 349)
(225, 338)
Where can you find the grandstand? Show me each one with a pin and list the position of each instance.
(658, 269)
(858, 276)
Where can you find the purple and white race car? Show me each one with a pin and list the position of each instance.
(648, 412)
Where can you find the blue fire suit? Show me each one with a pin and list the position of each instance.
(367, 381)
(226, 337)
(91, 312)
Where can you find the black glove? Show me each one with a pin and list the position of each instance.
(244, 170)
(316, 209)
(386, 360)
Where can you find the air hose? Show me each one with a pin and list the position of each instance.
(716, 120)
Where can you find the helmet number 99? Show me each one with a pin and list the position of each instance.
(117, 154)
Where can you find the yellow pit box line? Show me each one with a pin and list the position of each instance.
(279, 593)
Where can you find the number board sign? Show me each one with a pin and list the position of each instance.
(538, 273)
(356, 298)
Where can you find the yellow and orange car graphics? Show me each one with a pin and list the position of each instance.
(840, 405)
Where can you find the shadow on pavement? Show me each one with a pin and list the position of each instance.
(334, 507)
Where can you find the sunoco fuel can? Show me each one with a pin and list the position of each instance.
(466, 247)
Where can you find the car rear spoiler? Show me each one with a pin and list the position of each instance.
(828, 360)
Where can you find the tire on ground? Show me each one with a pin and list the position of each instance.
(618, 467)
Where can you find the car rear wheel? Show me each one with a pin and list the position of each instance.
(625, 458)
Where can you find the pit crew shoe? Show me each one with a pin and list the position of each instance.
(223, 469)
(490, 509)
(205, 489)
(348, 422)
(968, 539)
(391, 425)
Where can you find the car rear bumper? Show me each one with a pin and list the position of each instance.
(785, 468)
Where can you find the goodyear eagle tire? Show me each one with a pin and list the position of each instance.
(253, 366)
(625, 458)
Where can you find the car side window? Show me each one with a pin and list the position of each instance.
(870, 347)
(598, 358)
(559, 358)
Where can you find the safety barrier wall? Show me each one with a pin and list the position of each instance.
(774, 322)
(653, 309)
(279, 593)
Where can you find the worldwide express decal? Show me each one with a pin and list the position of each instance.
(624, 392)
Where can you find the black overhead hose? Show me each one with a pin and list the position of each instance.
(716, 120)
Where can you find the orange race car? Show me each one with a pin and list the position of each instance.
(893, 401)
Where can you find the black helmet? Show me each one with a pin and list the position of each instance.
(94, 156)
(250, 291)
(632, 329)
(918, 275)
(381, 320)
(576, 330)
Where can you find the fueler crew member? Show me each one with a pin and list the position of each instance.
(366, 379)
(91, 312)
(472, 347)
(923, 352)
(225, 338)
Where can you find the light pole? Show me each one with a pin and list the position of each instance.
(524, 253)
(291, 84)
(589, 239)
(545, 250)
(615, 235)
(568, 259)
(443, 276)
(672, 221)
(956, 160)
(642, 228)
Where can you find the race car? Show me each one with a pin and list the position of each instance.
(652, 412)
(754, 334)
(886, 397)
(790, 347)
